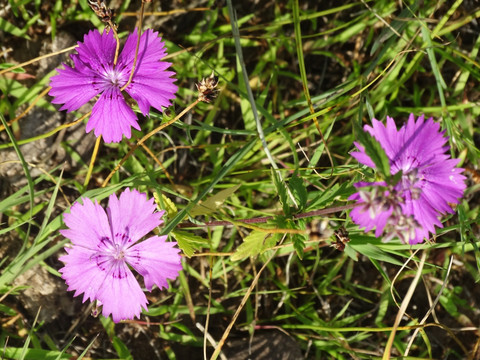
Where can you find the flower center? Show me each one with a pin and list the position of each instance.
(118, 253)
(114, 77)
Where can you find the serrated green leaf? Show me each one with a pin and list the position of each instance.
(298, 241)
(212, 204)
(188, 242)
(326, 197)
(164, 203)
(255, 243)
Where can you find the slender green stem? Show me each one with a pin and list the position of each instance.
(303, 74)
(251, 99)
(27, 175)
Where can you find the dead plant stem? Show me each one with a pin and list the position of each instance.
(37, 99)
(46, 135)
(146, 137)
(239, 309)
(36, 59)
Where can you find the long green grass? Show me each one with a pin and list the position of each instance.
(296, 79)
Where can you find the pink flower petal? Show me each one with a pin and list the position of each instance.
(121, 294)
(97, 50)
(156, 260)
(87, 224)
(148, 93)
(132, 214)
(81, 273)
(72, 88)
(151, 49)
(112, 117)
(151, 84)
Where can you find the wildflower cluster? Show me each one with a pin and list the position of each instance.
(105, 245)
(429, 182)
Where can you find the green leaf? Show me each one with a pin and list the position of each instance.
(108, 325)
(387, 35)
(255, 243)
(33, 354)
(325, 197)
(298, 240)
(213, 203)
(449, 305)
(188, 242)
(7, 310)
(121, 349)
(12, 29)
(372, 251)
(166, 204)
(19, 70)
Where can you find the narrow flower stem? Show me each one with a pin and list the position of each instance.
(159, 163)
(36, 59)
(92, 161)
(146, 137)
(209, 305)
(117, 48)
(142, 8)
(403, 307)
(264, 219)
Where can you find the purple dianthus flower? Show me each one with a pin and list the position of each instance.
(105, 243)
(94, 73)
(430, 182)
